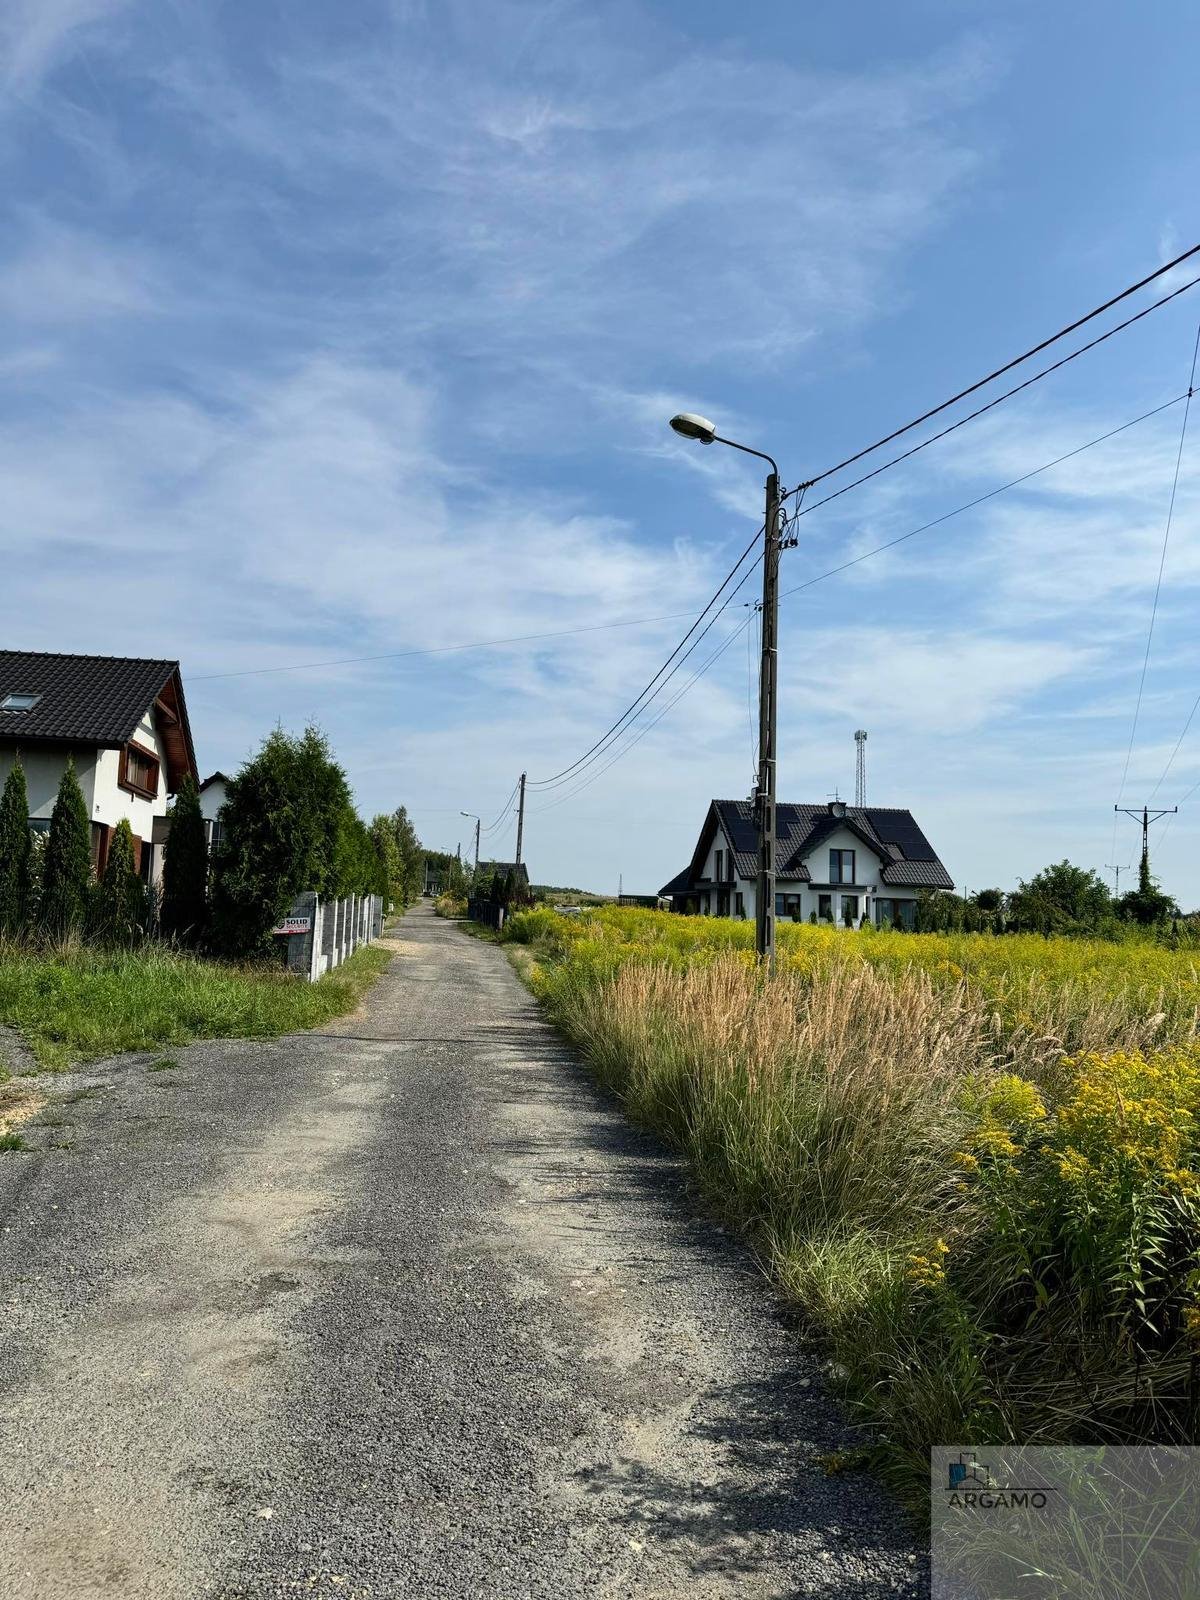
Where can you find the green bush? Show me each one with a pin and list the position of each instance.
(288, 828)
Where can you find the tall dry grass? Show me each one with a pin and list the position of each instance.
(888, 1135)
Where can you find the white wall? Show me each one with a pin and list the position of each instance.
(110, 802)
(44, 770)
(211, 800)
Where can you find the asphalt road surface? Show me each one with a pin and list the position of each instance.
(403, 1308)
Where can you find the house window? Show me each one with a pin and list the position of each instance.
(19, 702)
(841, 866)
(849, 908)
(139, 771)
(739, 902)
(899, 913)
(824, 908)
(39, 824)
(720, 865)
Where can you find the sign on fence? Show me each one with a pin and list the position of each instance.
(294, 925)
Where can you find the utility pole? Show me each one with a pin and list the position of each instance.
(1144, 817)
(1116, 872)
(520, 819)
(471, 817)
(768, 723)
(691, 426)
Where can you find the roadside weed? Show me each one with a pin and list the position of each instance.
(973, 1162)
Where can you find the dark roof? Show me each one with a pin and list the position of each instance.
(95, 700)
(505, 867)
(678, 884)
(213, 777)
(908, 858)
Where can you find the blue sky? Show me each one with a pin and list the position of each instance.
(339, 331)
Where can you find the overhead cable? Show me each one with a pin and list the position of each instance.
(933, 438)
(1008, 366)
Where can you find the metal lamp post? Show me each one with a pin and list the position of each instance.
(700, 428)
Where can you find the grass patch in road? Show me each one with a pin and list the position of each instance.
(162, 1066)
(12, 1141)
(78, 1004)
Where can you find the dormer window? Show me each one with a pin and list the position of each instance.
(19, 702)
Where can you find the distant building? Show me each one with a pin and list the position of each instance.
(651, 901)
(833, 862)
(213, 792)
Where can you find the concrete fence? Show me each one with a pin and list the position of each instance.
(320, 934)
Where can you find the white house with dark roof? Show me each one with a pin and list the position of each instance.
(213, 793)
(124, 723)
(834, 862)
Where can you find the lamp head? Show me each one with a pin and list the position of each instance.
(693, 427)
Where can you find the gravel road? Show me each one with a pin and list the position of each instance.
(401, 1308)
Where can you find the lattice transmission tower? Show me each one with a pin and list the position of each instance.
(860, 771)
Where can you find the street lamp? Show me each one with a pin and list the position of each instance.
(472, 817)
(691, 426)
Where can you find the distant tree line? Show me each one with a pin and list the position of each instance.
(288, 826)
(1060, 900)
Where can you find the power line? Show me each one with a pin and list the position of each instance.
(991, 404)
(507, 807)
(833, 572)
(1013, 483)
(1178, 743)
(641, 734)
(1162, 561)
(650, 689)
(1008, 366)
(630, 721)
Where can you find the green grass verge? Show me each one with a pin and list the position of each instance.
(79, 1004)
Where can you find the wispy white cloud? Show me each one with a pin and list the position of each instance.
(35, 34)
(57, 273)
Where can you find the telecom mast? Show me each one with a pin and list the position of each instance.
(860, 773)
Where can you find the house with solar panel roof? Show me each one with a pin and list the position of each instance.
(836, 863)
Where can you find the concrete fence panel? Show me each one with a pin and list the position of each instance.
(320, 934)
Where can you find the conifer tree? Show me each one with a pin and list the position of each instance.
(14, 853)
(68, 865)
(185, 868)
(119, 902)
